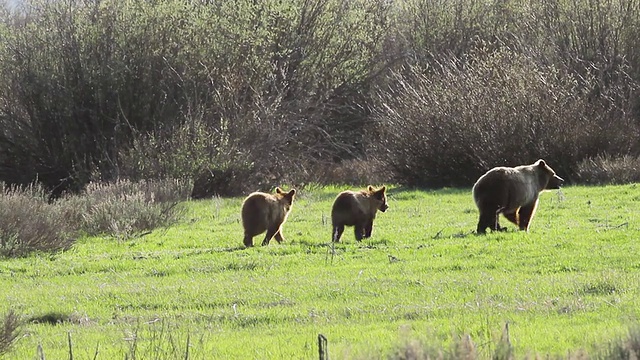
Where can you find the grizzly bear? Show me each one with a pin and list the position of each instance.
(513, 192)
(357, 209)
(266, 212)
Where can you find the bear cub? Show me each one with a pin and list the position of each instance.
(358, 209)
(266, 212)
(514, 192)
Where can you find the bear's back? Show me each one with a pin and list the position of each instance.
(350, 207)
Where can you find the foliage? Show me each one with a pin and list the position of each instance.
(107, 87)
(604, 169)
(423, 281)
(450, 125)
(626, 348)
(284, 90)
(9, 331)
(125, 209)
(29, 223)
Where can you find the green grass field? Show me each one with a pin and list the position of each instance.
(571, 283)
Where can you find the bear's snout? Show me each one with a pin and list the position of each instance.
(384, 207)
(555, 182)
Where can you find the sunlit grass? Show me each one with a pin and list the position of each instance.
(569, 284)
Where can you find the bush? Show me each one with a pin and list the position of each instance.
(626, 348)
(124, 209)
(29, 223)
(9, 331)
(606, 169)
(92, 87)
(353, 172)
(105, 90)
(463, 347)
(447, 126)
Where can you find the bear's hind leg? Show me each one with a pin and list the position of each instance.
(270, 233)
(512, 216)
(248, 240)
(526, 214)
(488, 219)
(337, 232)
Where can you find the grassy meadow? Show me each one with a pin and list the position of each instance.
(423, 280)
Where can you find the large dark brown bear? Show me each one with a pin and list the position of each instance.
(357, 209)
(513, 192)
(266, 212)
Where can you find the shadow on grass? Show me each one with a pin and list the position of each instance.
(343, 245)
(52, 318)
(441, 234)
(372, 243)
(231, 249)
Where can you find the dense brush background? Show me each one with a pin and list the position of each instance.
(240, 95)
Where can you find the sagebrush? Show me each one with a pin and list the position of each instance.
(30, 221)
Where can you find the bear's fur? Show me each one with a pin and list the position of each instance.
(266, 212)
(513, 192)
(358, 209)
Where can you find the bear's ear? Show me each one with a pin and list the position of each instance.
(370, 188)
(541, 163)
(383, 189)
(279, 191)
(291, 193)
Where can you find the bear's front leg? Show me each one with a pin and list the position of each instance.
(487, 220)
(248, 240)
(358, 230)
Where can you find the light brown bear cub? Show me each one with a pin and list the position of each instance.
(358, 209)
(512, 191)
(266, 212)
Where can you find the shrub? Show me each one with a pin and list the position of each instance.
(626, 348)
(91, 87)
(278, 89)
(182, 150)
(124, 209)
(463, 347)
(606, 169)
(227, 182)
(447, 126)
(29, 223)
(353, 172)
(9, 331)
